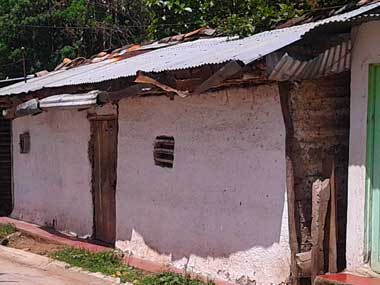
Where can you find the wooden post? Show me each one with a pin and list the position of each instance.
(23, 63)
(292, 220)
(284, 90)
(320, 203)
(331, 226)
(333, 267)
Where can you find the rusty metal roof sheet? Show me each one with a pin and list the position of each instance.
(334, 60)
(181, 56)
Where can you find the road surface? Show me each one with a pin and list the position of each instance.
(23, 268)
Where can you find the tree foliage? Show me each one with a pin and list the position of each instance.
(51, 30)
(241, 17)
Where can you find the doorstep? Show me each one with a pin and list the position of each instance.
(345, 279)
(57, 237)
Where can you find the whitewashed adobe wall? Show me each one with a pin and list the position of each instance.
(366, 50)
(52, 182)
(221, 210)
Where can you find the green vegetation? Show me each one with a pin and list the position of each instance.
(51, 30)
(6, 229)
(232, 17)
(111, 264)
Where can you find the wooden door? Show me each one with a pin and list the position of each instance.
(373, 168)
(6, 201)
(104, 149)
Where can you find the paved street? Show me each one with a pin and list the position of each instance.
(18, 267)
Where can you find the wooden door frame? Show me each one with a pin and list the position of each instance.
(373, 166)
(94, 117)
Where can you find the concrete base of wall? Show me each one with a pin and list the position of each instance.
(56, 237)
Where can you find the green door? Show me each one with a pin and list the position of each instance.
(373, 167)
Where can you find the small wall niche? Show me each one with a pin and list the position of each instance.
(163, 152)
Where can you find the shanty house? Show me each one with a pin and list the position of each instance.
(199, 152)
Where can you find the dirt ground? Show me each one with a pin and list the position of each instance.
(32, 244)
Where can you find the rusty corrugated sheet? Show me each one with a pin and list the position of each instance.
(185, 55)
(334, 60)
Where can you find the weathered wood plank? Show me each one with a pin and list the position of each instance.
(333, 257)
(145, 79)
(133, 90)
(284, 89)
(303, 260)
(320, 203)
(227, 71)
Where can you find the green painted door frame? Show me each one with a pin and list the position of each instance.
(373, 168)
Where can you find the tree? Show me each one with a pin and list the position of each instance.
(232, 17)
(51, 30)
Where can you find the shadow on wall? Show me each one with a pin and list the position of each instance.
(321, 118)
(223, 225)
(226, 192)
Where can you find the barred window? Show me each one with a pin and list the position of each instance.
(164, 151)
(25, 142)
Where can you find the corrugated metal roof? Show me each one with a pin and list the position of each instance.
(63, 101)
(27, 108)
(334, 60)
(68, 101)
(182, 56)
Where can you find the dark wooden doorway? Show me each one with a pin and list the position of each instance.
(104, 159)
(6, 201)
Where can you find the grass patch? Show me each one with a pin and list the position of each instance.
(6, 229)
(166, 278)
(111, 264)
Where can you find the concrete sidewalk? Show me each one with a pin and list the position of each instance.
(24, 268)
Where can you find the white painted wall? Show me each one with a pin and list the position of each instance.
(222, 209)
(366, 50)
(53, 180)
